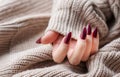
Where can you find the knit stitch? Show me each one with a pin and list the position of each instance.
(22, 22)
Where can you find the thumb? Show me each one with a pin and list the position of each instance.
(49, 37)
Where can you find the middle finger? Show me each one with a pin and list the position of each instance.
(79, 49)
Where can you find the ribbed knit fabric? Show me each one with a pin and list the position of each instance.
(22, 22)
(73, 15)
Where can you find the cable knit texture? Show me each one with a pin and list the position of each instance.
(22, 22)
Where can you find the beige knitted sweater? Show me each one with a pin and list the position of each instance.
(22, 22)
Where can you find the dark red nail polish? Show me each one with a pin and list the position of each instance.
(67, 38)
(38, 41)
(89, 30)
(83, 34)
(95, 33)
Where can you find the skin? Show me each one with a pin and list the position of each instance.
(95, 44)
(82, 48)
(78, 52)
(88, 48)
(60, 53)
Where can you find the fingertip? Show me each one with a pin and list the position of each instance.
(38, 41)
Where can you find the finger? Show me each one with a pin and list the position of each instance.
(57, 42)
(70, 52)
(71, 47)
(79, 49)
(60, 53)
(49, 37)
(95, 41)
(88, 44)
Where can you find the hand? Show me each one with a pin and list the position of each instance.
(76, 50)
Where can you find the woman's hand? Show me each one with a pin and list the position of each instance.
(76, 50)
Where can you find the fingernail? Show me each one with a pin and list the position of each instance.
(38, 41)
(95, 33)
(67, 38)
(83, 34)
(89, 30)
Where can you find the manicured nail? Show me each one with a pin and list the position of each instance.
(89, 30)
(67, 38)
(83, 34)
(38, 41)
(95, 33)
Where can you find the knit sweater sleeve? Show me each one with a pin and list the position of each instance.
(111, 11)
(73, 15)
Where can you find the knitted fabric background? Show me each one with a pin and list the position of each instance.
(22, 22)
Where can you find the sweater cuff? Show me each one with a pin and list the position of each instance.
(73, 15)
